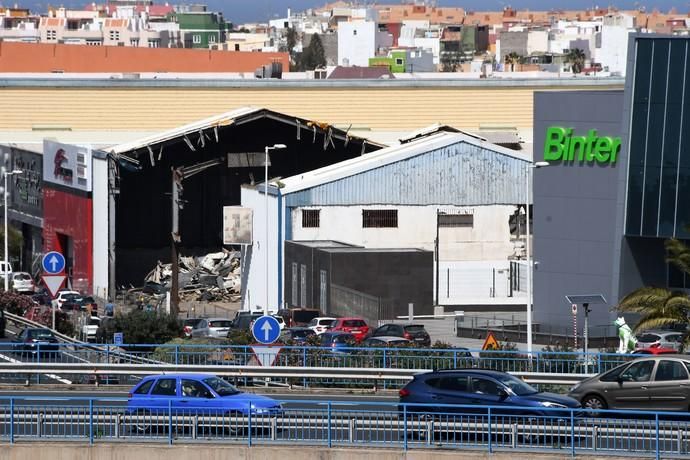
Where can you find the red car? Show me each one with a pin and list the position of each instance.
(355, 326)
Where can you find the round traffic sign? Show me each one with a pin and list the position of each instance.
(574, 307)
(266, 329)
(53, 262)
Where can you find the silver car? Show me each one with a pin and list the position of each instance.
(661, 339)
(660, 383)
(212, 327)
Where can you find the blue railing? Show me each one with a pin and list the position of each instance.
(365, 424)
(360, 357)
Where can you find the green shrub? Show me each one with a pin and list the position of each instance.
(142, 327)
(14, 303)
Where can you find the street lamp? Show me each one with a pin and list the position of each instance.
(7, 256)
(273, 147)
(530, 170)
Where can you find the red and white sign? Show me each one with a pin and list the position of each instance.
(265, 355)
(574, 307)
(53, 283)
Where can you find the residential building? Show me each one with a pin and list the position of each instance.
(201, 29)
(356, 42)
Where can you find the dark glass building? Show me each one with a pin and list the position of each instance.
(600, 226)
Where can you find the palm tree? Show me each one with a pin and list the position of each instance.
(660, 307)
(512, 59)
(576, 58)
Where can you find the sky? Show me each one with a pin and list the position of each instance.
(241, 11)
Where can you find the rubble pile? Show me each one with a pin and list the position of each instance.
(213, 277)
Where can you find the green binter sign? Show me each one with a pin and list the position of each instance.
(561, 145)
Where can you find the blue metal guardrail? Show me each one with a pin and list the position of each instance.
(359, 357)
(338, 423)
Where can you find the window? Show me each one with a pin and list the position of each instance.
(134, 42)
(310, 218)
(144, 388)
(154, 43)
(484, 386)
(380, 218)
(211, 38)
(453, 383)
(456, 220)
(354, 323)
(670, 370)
(237, 46)
(194, 389)
(93, 43)
(114, 35)
(165, 387)
(354, 32)
(196, 39)
(51, 35)
(640, 371)
(398, 61)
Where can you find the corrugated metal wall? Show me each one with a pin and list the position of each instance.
(122, 107)
(461, 174)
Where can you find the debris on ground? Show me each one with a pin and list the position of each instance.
(213, 277)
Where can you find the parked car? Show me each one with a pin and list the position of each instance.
(42, 297)
(244, 322)
(479, 387)
(194, 393)
(62, 296)
(212, 327)
(298, 335)
(22, 282)
(281, 321)
(5, 268)
(655, 351)
(189, 324)
(385, 341)
(34, 340)
(648, 383)
(321, 324)
(79, 303)
(338, 342)
(355, 326)
(413, 332)
(298, 316)
(661, 338)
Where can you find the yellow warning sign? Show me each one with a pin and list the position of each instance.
(491, 343)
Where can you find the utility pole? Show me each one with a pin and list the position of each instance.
(178, 175)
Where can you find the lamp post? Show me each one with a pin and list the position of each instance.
(7, 256)
(267, 148)
(530, 170)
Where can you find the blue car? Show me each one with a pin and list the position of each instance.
(338, 342)
(201, 394)
(479, 387)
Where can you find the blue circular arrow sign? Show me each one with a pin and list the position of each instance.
(266, 329)
(53, 262)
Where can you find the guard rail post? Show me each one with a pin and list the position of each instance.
(405, 427)
(107, 353)
(330, 444)
(177, 355)
(384, 366)
(38, 361)
(572, 432)
(598, 362)
(11, 420)
(489, 420)
(455, 359)
(170, 424)
(304, 363)
(249, 423)
(656, 427)
(91, 421)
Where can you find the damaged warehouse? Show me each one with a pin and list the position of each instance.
(132, 211)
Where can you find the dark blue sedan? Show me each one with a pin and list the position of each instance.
(478, 387)
(202, 394)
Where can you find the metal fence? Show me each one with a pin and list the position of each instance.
(552, 363)
(342, 424)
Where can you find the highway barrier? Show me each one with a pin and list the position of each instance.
(330, 424)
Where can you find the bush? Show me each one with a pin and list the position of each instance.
(142, 327)
(14, 303)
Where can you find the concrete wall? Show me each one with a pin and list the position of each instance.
(488, 239)
(356, 43)
(100, 228)
(575, 232)
(160, 451)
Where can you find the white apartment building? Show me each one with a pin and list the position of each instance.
(357, 42)
(613, 50)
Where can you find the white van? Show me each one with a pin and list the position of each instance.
(5, 268)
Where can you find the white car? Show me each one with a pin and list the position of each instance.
(22, 282)
(321, 324)
(280, 320)
(62, 296)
